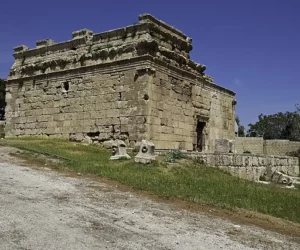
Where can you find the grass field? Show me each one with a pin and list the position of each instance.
(185, 179)
(1, 131)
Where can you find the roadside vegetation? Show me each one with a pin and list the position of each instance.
(2, 134)
(172, 179)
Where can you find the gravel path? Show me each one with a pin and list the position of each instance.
(42, 209)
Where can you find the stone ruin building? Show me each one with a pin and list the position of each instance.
(132, 83)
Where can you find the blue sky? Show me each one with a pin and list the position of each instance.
(251, 47)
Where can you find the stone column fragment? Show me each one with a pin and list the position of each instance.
(146, 153)
(119, 150)
(281, 178)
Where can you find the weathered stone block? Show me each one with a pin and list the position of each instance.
(20, 48)
(146, 152)
(45, 42)
(222, 146)
(281, 178)
(226, 160)
(82, 33)
(119, 150)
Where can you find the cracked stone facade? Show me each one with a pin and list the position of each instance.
(132, 83)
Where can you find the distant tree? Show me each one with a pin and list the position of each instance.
(241, 129)
(277, 126)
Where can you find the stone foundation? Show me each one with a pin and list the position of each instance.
(250, 167)
(257, 145)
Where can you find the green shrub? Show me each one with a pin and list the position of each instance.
(2, 134)
(174, 155)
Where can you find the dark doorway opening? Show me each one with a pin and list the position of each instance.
(66, 86)
(200, 136)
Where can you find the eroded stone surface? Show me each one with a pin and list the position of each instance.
(119, 150)
(257, 145)
(281, 178)
(249, 166)
(222, 146)
(146, 152)
(133, 83)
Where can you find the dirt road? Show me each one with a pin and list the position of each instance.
(43, 209)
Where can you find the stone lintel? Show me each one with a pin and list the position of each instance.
(20, 48)
(82, 33)
(44, 42)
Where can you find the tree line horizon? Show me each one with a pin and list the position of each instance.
(285, 126)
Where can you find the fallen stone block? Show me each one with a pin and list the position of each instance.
(281, 178)
(119, 150)
(222, 146)
(146, 153)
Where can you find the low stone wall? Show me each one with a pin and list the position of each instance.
(248, 166)
(280, 147)
(255, 145)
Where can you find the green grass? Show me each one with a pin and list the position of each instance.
(2, 131)
(185, 180)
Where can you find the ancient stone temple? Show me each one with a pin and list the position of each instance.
(132, 83)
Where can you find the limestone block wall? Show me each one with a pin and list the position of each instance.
(95, 106)
(176, 102)
(254, 145)
(171, 113)
(222, 118)
(257, 145)
(280, 147)
(133, 83)
(247, 166)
